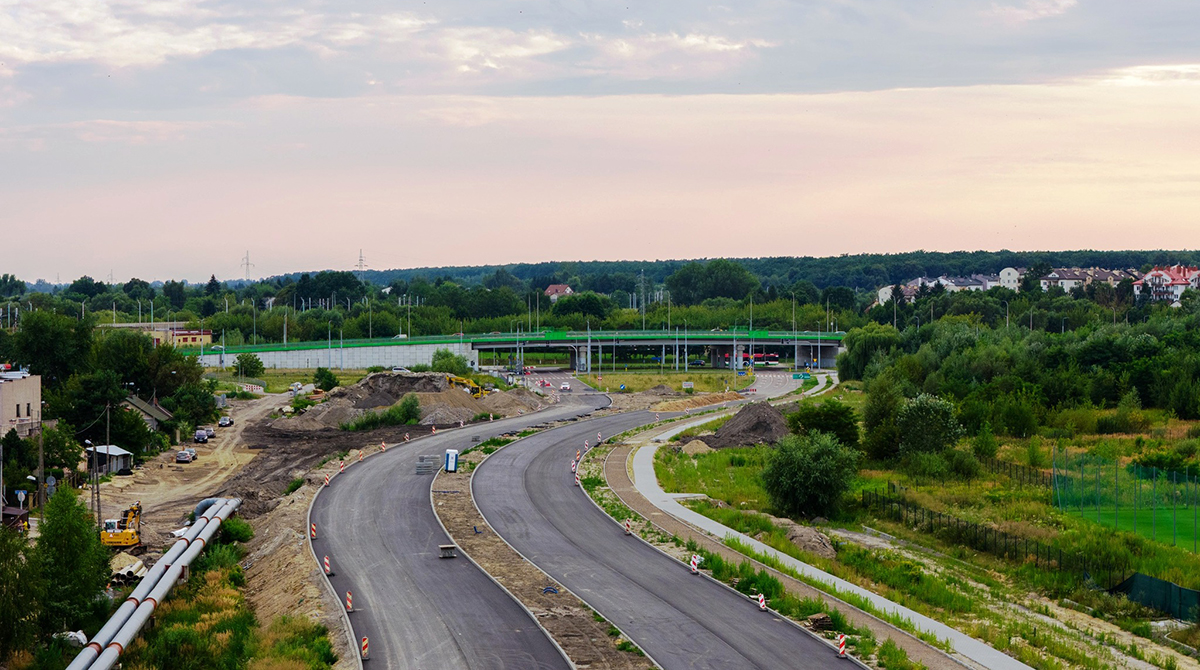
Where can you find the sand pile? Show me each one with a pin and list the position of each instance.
(696, 447)
(511, 402)
(376, 391)
(449, 406)
(756, 423)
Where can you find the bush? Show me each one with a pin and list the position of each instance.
(484, 416)
(962, 464)
(1194, 432)
(406, 413)
(248, 365)
(808, 474)
(885, 398)
(325, 380)
(830, 416)
(1034, 455)
(927, 425)
(235, 530)
(984, 445)
(447, 361)
(925, 465)
(293, 486)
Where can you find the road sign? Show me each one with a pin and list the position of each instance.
(689, 385)
(21, 497)
(741, 373)
(806, 376)
(796, 375)
(622, 387)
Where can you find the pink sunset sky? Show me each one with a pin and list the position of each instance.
(166, 139)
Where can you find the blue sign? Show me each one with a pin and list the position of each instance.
(741, 373)
(622, 387)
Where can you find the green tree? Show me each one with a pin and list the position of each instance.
(864, 344)
(410, 409)
(20, 597)
(249, 365)
(213, 286)
(193, 404)
(325, 380)
(73, 563)
(53, 345)
(927, 425)
(885, 398)
(587, 303)
(449, 362)
(984, 444)
(807, 475)
(831, 416)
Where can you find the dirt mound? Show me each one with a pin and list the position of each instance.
(511, 402)
(661, 389)
(807, 539)
(696, 447)
(384, 389)
(756, 423)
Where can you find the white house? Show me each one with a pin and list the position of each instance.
(1167, 283)
(1010, 278)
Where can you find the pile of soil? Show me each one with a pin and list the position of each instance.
(807, 539)
(376, 391)
(756, 423)
(511, 402)
(695, 447)
(447, 407)
(661, 389)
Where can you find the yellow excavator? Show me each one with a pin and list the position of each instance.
(469, 386)
(124, 533)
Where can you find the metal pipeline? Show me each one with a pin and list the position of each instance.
(129, 617)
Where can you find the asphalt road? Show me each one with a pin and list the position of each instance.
(376, 524)
(683, 621)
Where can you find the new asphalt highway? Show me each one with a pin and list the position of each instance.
(377, 526)
(528, 496)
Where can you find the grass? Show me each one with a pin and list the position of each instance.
(1176, 527)
(404, 413)
(206, 623)
(732, 475)
(277, 380)
(892, 657)
(293, 486)
(707, 427)
(706, 381)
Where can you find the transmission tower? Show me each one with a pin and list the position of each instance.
(247, 264)
(362, 264)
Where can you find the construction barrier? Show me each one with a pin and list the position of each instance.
(841, 646)
(326, 480)
(762, 603)
(349, 602)
(341, 466)
(360, 456)
(328, 572)
(383, 446)
(406, 437)
(312, 531)
(695, 564)
(628, 527)
(366, 654)
(576, 479)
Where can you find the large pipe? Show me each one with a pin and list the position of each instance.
(132, 613)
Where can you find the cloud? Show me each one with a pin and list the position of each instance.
(675, 55)
(1154, 75)
(123, 34)
(1032, 10)
(479, 49)
(107, 131)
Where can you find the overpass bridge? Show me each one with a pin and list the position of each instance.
(586, 349)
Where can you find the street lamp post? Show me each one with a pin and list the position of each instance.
(1005, 314)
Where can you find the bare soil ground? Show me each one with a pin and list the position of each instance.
(696, 401)
(571, 623)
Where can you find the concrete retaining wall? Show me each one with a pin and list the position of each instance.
(348, 357)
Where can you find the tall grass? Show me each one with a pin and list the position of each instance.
(707, 427)
(406, 413)
(732, 475)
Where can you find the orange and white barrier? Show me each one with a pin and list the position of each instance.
(326, 480)
(312, 531)
(433, 430)
(366, 654)
(360, 455)
(328, 572)
(762, 603)
(349, 602)
(383, 446)
(576, 478)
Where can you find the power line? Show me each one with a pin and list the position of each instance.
(247, 264)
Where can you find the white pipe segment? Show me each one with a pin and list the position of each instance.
(107, 645)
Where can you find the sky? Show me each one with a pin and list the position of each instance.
(169, 138)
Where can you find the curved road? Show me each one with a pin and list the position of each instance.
(528, 496)
(376, 524)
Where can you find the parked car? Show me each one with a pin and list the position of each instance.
(210, 431)
(565, 387)
(225, 422)
(183, 457)
(201, 436)
(399, 369)
(192, 452)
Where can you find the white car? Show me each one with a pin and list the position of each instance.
(565, 387)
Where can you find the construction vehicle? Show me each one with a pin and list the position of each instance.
(469, 386)
(124, 533)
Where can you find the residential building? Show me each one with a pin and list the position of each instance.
(885, 294)
(989, 281)
(1167, 283)
(20, 402)
(1010, 278)
(182, 337)
(956, 284)
(151, 412)
(1069, 278)
(556, 291)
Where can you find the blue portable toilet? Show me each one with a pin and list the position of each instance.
(452, 460)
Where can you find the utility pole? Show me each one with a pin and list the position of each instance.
(362, 264)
